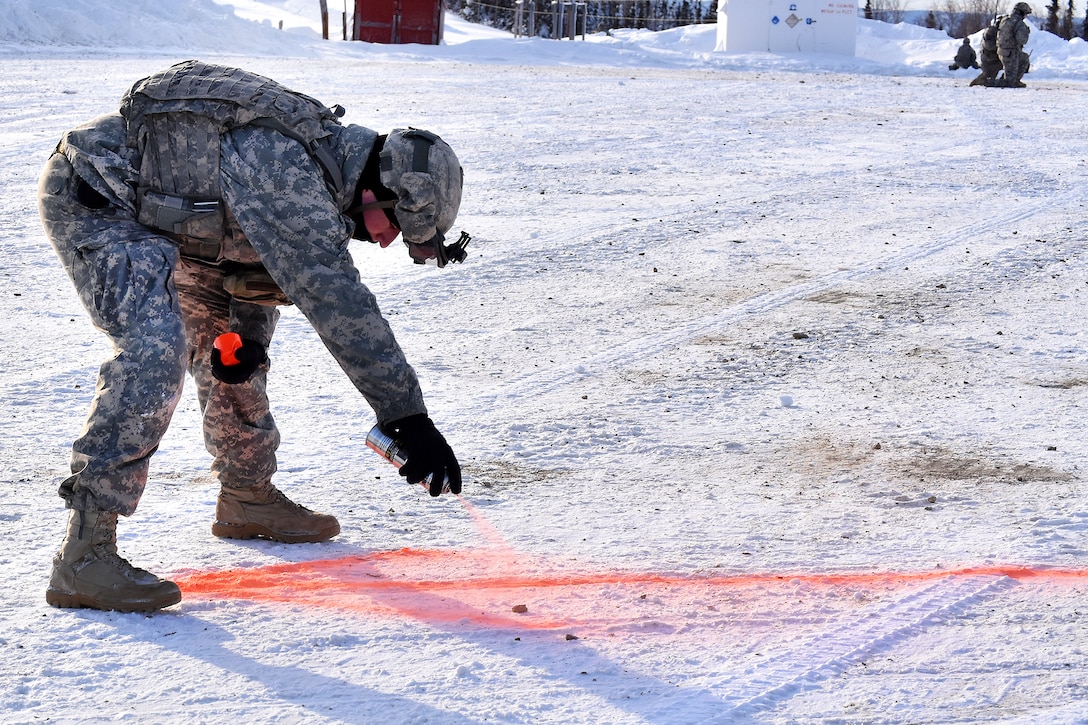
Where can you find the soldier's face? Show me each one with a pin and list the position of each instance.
(378, 226)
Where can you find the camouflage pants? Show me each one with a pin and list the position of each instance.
(161, 315)
(1015, 63)
(239, 430)
(122, 273)
(991, 66)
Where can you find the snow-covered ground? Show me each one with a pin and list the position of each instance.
(767, 373)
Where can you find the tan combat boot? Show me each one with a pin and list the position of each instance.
(88, 571)
(264, 512)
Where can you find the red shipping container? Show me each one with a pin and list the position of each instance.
(398, 21)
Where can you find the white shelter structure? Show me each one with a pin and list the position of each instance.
(787, 26)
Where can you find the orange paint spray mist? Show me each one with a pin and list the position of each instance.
(390, 450)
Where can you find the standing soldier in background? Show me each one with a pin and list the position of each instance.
(965, 57)
(991, 62)
(1012, 35)
(214, 195)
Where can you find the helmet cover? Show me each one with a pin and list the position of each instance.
(425, 174)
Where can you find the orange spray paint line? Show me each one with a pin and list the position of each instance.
(462, 587)
(433, 586)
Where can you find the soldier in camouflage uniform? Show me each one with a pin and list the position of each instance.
(1012, 35)
(164, 276)
(991, 63)
(965, 57)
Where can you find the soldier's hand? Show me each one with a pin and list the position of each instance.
(234, 359)
(427, 453)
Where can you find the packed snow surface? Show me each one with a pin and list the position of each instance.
(767, 374)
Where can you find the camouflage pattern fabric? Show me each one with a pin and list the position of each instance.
(426, 175)
(161, 313)
(965, 57)
(175, 119)
(1012, 35)
(990, 62)
(278, 195)
(123, 276)
(239, 430)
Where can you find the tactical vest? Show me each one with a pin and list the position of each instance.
(1008, 32)
(175, 120)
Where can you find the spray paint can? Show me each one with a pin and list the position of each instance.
(391, 451)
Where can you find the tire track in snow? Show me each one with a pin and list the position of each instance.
(830, 654)
(539, 382)
(1075, 713)
(742, 198)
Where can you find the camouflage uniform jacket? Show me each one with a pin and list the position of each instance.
(281, 213)
(1012, 34)
(989, 40)
(965, 56)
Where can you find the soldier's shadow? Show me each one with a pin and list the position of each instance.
(326, 697)
(346, 587)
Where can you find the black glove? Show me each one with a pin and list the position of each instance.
(426, 451)
(234, 359)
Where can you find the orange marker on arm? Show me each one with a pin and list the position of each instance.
(228, 344)
(235, 359)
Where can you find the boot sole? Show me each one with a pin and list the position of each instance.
(67, 600)
(256, 531)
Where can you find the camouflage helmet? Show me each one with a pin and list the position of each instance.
(1022, 8)
(424, 173)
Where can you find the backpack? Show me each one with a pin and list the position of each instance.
(175, 120)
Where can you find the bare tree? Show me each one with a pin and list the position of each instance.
(889, 11)
(952, 17)
(966, 17)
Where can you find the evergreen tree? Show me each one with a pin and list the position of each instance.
(686, 15)
(1052, 17)
(1084, 27)
(1066, 28)
(868, 9)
